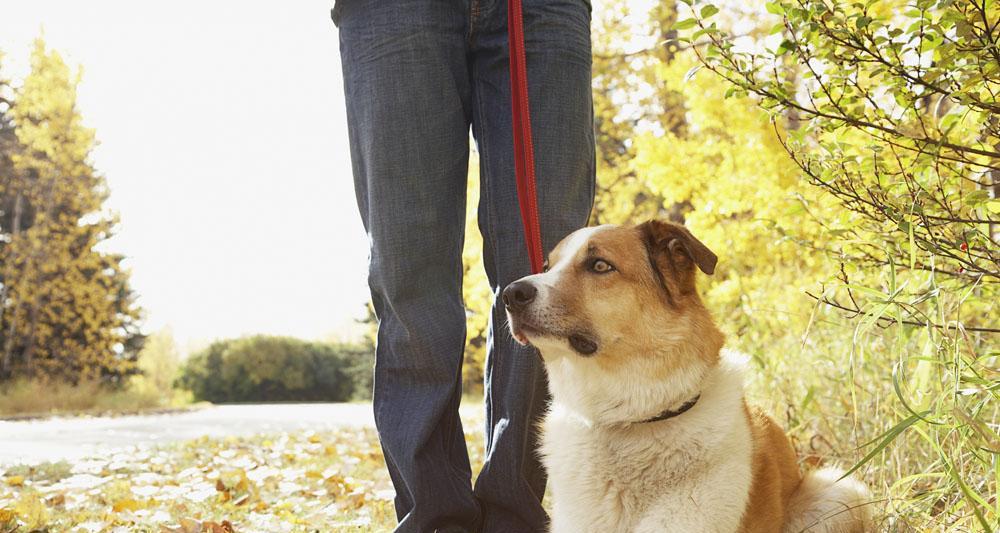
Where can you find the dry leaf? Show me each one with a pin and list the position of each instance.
(8, 521)
(127, 504)
(186, 525)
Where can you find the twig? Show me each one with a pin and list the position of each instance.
(858, 312)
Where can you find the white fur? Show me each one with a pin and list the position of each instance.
(691, 473)
(824, 503)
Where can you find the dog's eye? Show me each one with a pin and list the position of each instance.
(601, 266)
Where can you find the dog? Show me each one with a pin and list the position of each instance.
(648, 430)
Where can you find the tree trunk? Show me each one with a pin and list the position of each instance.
(29, 347)
(8, 351)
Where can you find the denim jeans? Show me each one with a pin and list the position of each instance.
(417, 75)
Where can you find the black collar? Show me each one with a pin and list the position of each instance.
(670, 413)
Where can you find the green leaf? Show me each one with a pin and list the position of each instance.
(887, 439)
(774, 8)
(977, 197)
(949, 121)
(784, 47)
(684, 24)
(708, 11)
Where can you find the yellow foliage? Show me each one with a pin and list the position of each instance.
(67, 309)
(727, 174)
(475, 287)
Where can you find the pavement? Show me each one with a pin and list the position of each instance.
(70, 439)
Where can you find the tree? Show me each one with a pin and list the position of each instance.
(159, 362)
(11, 205)
(628, 98)
(68, 310)
(686, 153)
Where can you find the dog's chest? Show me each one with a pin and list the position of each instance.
(609, 483)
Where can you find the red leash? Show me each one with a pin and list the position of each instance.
(524, 153)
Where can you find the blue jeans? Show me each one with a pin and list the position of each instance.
(417, 75)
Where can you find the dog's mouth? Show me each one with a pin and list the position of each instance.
(582, 343)
(520, 330)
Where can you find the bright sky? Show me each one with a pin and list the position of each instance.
(224, 143)
(223, 139)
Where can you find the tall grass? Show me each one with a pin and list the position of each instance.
(910, 409)
(39, 398)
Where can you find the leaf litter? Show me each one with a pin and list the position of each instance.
(283, 483)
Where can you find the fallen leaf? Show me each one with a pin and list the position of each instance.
(8, 520)
(214, 527)
(186, 525)
(31, 511)
(127, 504)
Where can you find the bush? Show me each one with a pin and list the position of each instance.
(269, 369)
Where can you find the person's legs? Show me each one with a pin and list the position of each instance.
(409, 107)
(557, 40)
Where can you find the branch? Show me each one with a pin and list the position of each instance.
(689, 46)
(855, 312)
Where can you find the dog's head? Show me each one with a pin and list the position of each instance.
(616, 301)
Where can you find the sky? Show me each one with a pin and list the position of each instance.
(223, 139)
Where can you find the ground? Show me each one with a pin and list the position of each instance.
(288, 481)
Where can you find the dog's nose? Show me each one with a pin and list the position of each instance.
(518, 295)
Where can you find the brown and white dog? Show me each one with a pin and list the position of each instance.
(648, 429)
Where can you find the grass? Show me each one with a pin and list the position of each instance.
(913, 409)
(31, 398)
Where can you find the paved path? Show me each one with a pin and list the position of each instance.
(74, 438)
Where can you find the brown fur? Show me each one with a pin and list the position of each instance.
(653, 269)
(775, 474)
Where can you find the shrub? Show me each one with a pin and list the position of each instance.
(268, 369)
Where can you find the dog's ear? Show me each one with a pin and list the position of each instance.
(674, 252)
